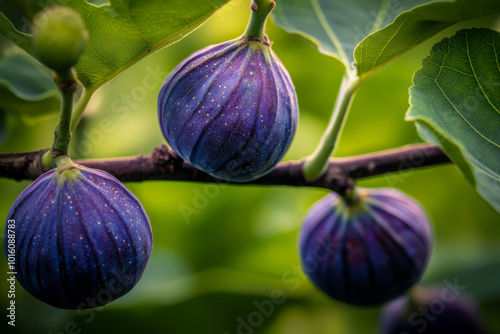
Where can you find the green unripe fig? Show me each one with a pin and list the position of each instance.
(59, 37)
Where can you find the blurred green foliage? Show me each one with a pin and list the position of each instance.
(213, 271)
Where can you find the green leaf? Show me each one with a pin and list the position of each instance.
(455, 100)
(427, 133)
(337, 26)
(25, 77)
(26, 88)
(414, 27)
(123, 32)
(8, 31)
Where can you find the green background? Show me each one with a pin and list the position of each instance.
(210, 269)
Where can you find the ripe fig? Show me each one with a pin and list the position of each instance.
(431, 310)
(82, 239)
(230, 109)
(368, 250)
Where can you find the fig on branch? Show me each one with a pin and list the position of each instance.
(431, 310)
(82, 239)
(230, 109)
(59, 37)
(368, 250)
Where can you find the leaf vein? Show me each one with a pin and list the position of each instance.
(452, 104)
(487, 173)
(136, 27)
(460, 114)
(211, 4)
(107, 63)
(475, 75)
(455, 70)
(387, 43)
(379, 20)
(328, 29)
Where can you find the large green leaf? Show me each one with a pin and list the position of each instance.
(121, 32)
(26, 87)
(337, 26)
(455, 100)
(415, 26)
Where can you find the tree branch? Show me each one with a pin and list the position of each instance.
(164, 164)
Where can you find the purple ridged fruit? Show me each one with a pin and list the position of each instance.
(230, 110)
(434, 310)
(82, 239)
(368, 251)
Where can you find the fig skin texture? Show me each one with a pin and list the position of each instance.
(82, 239)
(431, 310)
(366, 252)
(230, 110)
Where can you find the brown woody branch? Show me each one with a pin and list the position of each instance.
(164, 164)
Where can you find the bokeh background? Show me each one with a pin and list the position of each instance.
(210, 269)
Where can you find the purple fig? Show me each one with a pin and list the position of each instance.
(368, 250)
(81, 239)
(230, 109)
(431, 310)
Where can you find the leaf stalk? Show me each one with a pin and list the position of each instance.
(316, 164)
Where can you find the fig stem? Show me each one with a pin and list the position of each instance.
(257, 24)
(63, 161)
(413, 298)
(80, 107)
(351, 197)
(316, 164)
(66, 84)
